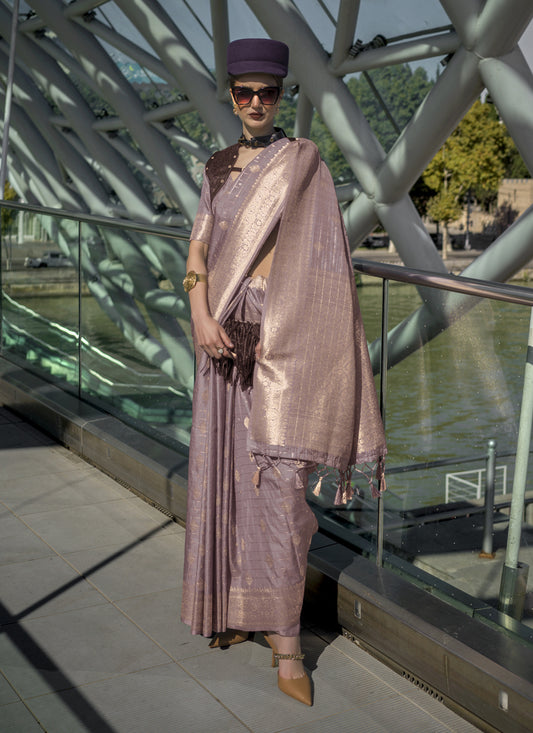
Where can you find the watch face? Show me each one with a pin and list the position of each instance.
(189, 281)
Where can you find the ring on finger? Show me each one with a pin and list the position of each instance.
(220, 350)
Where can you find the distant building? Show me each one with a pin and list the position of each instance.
(517, 193)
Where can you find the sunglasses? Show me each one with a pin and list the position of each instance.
(244, 95)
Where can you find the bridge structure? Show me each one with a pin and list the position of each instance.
(111, 109)
(96, 148)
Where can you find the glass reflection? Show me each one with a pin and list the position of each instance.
(100, 312)
(446, 402)
(39, 279)
(137, 359)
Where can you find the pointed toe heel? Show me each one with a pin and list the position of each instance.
(299, 688)
(228, 638)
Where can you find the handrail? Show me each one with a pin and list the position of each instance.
(135, 226)
(442, 281)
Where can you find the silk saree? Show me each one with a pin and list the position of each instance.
(313, 399)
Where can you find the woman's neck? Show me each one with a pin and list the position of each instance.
(261, 141)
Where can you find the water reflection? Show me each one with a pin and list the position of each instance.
(446, 400)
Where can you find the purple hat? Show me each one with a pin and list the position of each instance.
(258, 55)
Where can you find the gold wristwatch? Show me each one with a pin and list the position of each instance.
(191, 278)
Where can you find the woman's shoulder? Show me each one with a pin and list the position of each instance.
(223, 157)
(218, 166)
(305, 146)
(305, 150)
(304, 143)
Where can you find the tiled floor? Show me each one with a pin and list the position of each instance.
(90, 633)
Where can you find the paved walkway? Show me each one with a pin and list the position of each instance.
(90, 635)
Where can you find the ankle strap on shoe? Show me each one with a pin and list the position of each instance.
(289, 656)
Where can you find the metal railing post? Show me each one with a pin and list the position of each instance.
(382, 403)
(488, 523)
(80, 333)
(9, 95)
(514, 574)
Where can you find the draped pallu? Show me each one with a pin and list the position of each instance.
(313, 399)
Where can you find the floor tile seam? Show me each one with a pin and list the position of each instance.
(22, 616)
(74, 506)
(74, 468)
(212, 695)
(62, 557)
(130, 619)
(20, 701)
(21, 520)
(115, 500)
(139, 596)
(38, 474)
(36, 616)
(88, 579)
(100, 680)
(139, 541)
(90, 683)
(174, 659)
(34, 532)
(8, 681)
(30, 711)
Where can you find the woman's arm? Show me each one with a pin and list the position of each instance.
(209, 334)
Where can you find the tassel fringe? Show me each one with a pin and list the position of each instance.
(374, 474)
(245, 337)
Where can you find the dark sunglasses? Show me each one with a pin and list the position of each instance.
(244, 95)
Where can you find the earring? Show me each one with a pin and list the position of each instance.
(235, 110)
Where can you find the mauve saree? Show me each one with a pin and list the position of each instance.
(313, 398)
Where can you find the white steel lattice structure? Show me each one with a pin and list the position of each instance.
(65, 152)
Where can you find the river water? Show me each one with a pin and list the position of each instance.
(446, 400)
(450, 397)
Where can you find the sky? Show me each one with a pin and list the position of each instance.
(387, 17)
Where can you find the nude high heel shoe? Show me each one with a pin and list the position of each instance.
(228, 638)
(298, 688)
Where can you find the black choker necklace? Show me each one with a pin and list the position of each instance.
(262, 140)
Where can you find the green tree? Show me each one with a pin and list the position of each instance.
(401, 90)
(472, 162)
(516, 168)
(8, 215)
(444, 208)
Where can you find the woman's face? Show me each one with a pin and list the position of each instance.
(257, 117)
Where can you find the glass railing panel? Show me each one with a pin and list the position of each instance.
(452, 395)
(136, 350)
(40, 315)
(355, 523)
(448, 404)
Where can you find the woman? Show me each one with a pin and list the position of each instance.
(284, 379)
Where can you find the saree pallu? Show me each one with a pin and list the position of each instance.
(249, 526)
(313, 398)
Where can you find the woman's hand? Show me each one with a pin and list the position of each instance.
(258, 351)
(211, 337)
